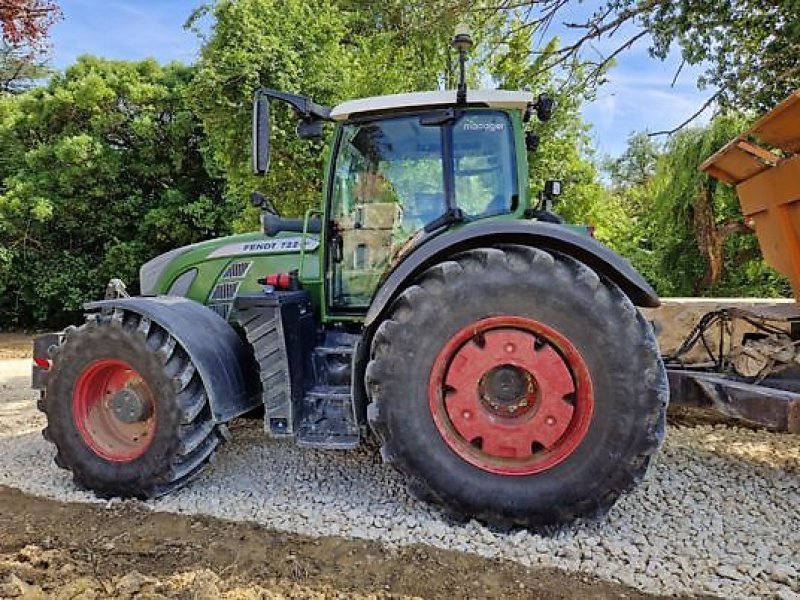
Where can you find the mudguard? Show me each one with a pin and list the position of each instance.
(548, 236)
(222, 359)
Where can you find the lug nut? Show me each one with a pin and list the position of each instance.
(550, 421)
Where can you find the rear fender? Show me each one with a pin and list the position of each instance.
(223, 360)
(547, 236)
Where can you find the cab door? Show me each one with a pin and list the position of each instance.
(387, 183)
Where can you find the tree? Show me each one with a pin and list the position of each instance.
(19, 68)
(99, 171)
(749, 47)
(636, 166)
(27, 21)
(24, 26)
(688, 236)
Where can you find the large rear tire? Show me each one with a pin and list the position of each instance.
(126, 409)
(518, 387)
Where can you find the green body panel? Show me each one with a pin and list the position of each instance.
(266, 255)
(212, 259)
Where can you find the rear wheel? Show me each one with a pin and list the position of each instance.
(126, 409)
(518, 387)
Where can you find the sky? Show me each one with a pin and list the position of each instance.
(638, 96)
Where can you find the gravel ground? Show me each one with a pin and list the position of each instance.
(718, 513)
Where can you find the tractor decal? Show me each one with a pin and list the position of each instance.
(277, 246)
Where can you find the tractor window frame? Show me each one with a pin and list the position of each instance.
(449, 175)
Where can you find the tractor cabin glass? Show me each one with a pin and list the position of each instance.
(389, 182)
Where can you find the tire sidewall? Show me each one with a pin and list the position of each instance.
(100, 343)
(605, 333)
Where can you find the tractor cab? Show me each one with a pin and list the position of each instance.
(409, 165)
(403, 169)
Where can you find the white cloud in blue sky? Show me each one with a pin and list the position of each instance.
(638, 96)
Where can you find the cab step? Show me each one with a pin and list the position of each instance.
(328, 419)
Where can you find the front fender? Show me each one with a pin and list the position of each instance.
(548, 236)
(222, 359)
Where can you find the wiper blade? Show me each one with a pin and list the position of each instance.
(438, 119)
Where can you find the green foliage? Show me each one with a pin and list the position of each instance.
(330, 51)
(749, 46)
(291, 46)
(100, 171)
(636, 166)
(683, 219)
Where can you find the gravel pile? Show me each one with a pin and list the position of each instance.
(719, 513)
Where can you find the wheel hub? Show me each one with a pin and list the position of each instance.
(114, 410)
(507, 390)
(129, 407)
(511, 395)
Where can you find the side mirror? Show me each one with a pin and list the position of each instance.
(551, 191)
(309, 130)
(544, 107)
(260, 133)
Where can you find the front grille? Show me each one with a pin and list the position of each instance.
(225, 291)
(223, 294)
(223, 310)
(237, 270)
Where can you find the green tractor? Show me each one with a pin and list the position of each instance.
(497, 354)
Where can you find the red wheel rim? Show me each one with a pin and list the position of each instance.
(114, 410)
(511, 395)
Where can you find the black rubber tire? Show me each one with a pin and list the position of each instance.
(185, 436)
(616, 342)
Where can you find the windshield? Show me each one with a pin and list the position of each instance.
(389, 181)
(483, 164)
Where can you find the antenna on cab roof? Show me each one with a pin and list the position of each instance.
(462, 41)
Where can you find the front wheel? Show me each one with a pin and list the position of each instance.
(126, 408)
(516, 386)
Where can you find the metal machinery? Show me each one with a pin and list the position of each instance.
(754, 375)
(496, 353)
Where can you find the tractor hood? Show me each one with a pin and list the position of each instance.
(157, 275)
(151, 271)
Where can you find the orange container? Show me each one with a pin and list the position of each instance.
(767, 182)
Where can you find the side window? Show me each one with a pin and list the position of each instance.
(364, 211)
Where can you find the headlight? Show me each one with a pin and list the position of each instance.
(180, 287)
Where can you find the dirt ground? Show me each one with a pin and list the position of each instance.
(59, 550)
(15, 345)
(50, 549)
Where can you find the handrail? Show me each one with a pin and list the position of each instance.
(311, 212)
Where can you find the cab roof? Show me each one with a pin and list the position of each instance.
(503, 99)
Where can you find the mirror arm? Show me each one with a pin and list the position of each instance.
(306, 109)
